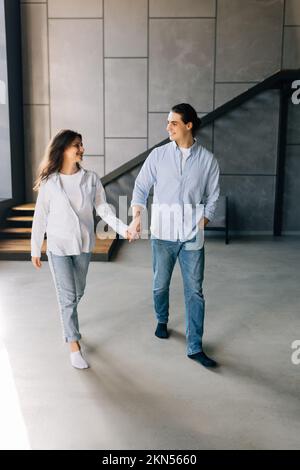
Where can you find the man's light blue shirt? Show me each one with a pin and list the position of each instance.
(182, 194)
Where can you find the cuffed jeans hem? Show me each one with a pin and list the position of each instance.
(161, 318)
(191, 353)
(164, 322)
(71, 339)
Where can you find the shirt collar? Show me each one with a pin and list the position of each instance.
(192, 148)
(55, 175)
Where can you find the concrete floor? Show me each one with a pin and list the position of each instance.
(142, 392)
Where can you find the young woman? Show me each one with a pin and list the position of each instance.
(64, 210)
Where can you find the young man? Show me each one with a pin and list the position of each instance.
(184, 174)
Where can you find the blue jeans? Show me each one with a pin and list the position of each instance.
(164, 255)
(69, 275)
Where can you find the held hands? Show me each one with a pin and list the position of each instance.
(203, 222)
(134, 230)
(36, 262)
(130, 236)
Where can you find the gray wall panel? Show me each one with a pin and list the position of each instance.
(37, 135)
(292, 12)
(75, 8)
(126, 97)
(293, 133)
(205, 137)
(157, 128)
(227, 91)
(249, 37)
(181, 63)
(175, 8)
(291, 51)
(119, 151)
(94, 163)
(251, 201)
(291, 206)
(35, 54)
(77, 83)
(125, 28)
(245, 140)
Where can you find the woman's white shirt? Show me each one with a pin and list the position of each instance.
(64, 210)
(71, 186)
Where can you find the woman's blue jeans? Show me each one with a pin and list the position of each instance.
(164, 255)
(69, 275)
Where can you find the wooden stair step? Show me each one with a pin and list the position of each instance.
(101, 246)
(14, 230)
(20, 249)
(25, 207)
(20, 218)
(17, 245)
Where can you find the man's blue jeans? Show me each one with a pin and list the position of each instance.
(165, 254)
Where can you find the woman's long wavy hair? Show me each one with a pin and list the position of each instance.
(53, 157)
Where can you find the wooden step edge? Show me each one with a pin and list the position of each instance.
(20, 218)
(16, 230)
(24, 207)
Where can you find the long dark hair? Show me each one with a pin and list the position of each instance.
(53, 158)
(188, 114)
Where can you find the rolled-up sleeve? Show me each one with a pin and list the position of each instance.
(106, 213)
(212, 190)
(39, 223)
(145, 180)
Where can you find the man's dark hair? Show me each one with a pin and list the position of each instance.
(188, 114)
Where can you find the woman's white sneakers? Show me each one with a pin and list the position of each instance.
(78, 361)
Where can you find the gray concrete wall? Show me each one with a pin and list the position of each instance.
(112, 69)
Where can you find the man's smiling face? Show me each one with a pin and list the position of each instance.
(176, 128)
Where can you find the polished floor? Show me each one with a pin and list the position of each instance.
(142, 392)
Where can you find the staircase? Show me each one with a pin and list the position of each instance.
(19, 222)
(15, 237)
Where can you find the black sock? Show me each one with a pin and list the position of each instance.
(161, 330)
(203, 359)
